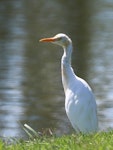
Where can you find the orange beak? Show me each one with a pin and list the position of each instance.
(52, 39)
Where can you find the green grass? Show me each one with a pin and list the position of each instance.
(98, 141)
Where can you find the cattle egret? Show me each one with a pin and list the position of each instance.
(80, 104)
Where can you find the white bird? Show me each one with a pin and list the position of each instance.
(80, 104)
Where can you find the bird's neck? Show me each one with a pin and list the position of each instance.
(66, 58)
(67, 72)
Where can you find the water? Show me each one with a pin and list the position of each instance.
(30, 81)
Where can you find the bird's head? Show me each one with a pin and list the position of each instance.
(59, 39)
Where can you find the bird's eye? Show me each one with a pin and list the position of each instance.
(59, 38)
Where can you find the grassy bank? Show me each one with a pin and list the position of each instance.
(98, 141)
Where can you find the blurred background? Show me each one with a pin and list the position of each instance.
(31, 91)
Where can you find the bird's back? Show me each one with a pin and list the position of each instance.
(80, 107)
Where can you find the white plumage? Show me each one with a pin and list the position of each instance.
(80, 103)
